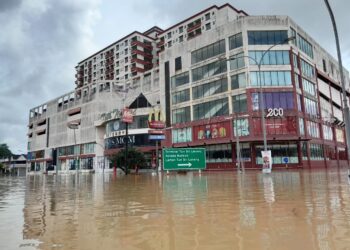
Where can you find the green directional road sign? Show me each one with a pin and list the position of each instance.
(184, 158)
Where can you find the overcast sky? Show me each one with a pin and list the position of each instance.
(41, 41)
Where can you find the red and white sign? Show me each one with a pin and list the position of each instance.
(127, 116)
(156, 132)
(156, 124)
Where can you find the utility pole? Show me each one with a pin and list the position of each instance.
(342, 81)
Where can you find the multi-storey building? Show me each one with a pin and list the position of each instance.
(206, 74)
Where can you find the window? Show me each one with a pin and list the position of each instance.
(126, 51)
(237, 61)
(208, 70)
(271, 78)
(181, 39)
(270, 37)
(313, 129)
(207, 52)
(126, 59)
(272, 57)
(169, 44)
(278, 152)
(324, 65)
(219, 153)
(207, 26)
(178, 64)
(207, 16)
(169, 35)
(241, 127)
(181, 29)
(210, 109)
(235, 41)
(239, 103)
(238, 81)
(179, 80)
(327, 132)
(181, 135)
(181, 96)
(316, 152)
(282, 100)
(310, 107)
(309, 87)
(301, 126)
(305, 46)
(181, 115)
(209, 89)
(307, 69)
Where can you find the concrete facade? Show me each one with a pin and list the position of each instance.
(150, 62)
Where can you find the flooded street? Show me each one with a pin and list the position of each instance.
(224, 210)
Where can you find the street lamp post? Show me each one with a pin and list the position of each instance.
(74, 126)
(342, 80)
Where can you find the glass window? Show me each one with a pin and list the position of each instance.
(270, 37)
(209, 89)
(181, 96)
(208, 70)
(305, 46)
(179, 80)
(182, 135)
(181, 115)
(239, 103)
(219, 153)
(210, 109)
(271, 78)
(209, 51)
(237, 61)
(278, 152)
(238, 81)
(316, 152)
(236, 41)
(282, 100)
(241, 127)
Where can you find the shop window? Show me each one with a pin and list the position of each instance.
(278, 152)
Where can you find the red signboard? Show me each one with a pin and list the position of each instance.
(127, 116)
(211, 131)
(156, 124)
(156, 132)
(276, 126)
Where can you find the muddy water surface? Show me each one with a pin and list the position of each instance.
(284, 210)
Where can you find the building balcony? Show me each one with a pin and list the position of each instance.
(161, 43)
(139, 52)
(140, 61)
(137, 69)
(189, 29)
(141, 44)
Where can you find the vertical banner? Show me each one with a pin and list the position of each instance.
(267, 161)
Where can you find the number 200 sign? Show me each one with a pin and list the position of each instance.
(272, 112)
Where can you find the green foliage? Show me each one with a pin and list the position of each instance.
(5, 152)
(135, 158)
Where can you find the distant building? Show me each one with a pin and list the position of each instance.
(202, 73)
(15, 165)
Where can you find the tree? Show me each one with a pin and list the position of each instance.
(135, 159)
(5, 152)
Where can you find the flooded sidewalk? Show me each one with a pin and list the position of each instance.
(215, 210)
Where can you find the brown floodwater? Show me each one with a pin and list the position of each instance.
(216, 210)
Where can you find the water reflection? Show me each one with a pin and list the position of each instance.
(284, 210)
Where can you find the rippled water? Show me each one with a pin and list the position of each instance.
(285, 210)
